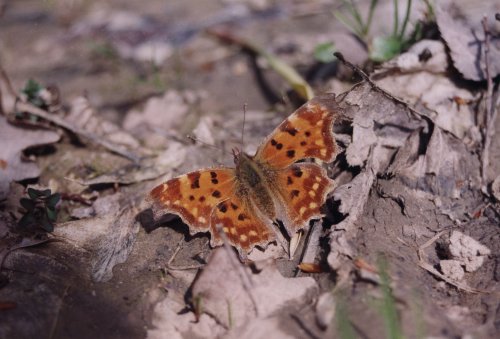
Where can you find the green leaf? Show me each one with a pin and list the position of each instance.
(53, 200)
(33, 193)
(27, 204)
(46, 193)
(385, 48)
(46, 224)
(51, 214)
(324, 52)
(26, 220)
(31, 89)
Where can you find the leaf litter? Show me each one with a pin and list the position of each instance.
(410, 172)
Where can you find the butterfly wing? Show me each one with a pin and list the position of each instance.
(307, 133)
(242, 224)
(207, 200)
(302, 190)
(193, 196)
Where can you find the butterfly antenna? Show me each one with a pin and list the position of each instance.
(243, 127)
(196, 140)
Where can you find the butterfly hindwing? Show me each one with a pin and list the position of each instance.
(243, 226)
(303, 189)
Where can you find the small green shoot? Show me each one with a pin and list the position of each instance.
(104, 50)
(229, 314)
(32, 91)
(345, 329)
(324, 52)
(39, 210)
(357, 25)
(381, 48)
(387, 305)
(198, 306)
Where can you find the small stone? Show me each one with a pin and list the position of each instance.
(452, 269)
(468, 251)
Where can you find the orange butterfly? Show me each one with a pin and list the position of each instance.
(243, 202)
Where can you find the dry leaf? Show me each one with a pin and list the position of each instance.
(224, 295)
(460, 26)
(14, 140)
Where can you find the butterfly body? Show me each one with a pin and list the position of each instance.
(244, 202)
(253, 180)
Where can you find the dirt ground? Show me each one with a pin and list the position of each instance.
(409, 245)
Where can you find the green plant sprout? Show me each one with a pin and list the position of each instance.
(358, 27)
(324, 52)
(39, 210)
(381, 48)
(345, 330)
(387, 305)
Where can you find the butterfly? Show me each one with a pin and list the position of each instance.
(245, 202)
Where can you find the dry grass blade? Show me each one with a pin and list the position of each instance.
(298, 83)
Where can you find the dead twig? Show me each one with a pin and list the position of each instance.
(428, 267)
(366, 78)
(490, 111)
(5, 79)
(170, 267)
(29, 108)
(7, 82)
(59, 307)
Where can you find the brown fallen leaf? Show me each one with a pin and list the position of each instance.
(234, 303)
(14, 140)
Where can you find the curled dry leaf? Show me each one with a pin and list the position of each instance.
(148, 168)
(460, 25)
(13, 167)
(160, 113)
(83, 115)
(423, 83)
(108, 237)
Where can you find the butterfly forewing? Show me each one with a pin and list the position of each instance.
(193, 196)
(307, 133)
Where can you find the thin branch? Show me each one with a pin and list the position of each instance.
(27, 107)
(170, 267)
(490, 111)
(5, 79)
